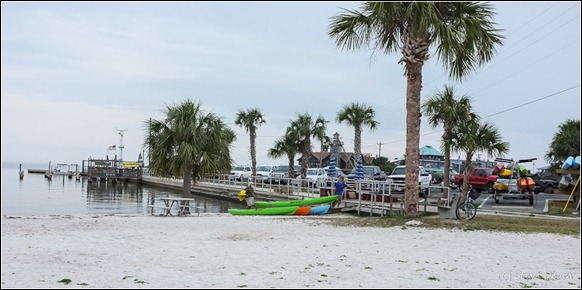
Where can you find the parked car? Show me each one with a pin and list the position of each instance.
(480, 179)
(240, 173)
(370, 172)
(326, 179)
(281, 174)
(338, 172)
(545, 185)
(398, 178)
(438, 176)
(312, 175)
(263, 172)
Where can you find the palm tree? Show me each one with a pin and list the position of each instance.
(250, 120)
(288, 146)
(302, 129)
(188, 144)
(358, 115)
(445, 108)
(473, 136)
(566, 142)
(461, 32)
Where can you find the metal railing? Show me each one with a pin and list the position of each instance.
(375, 195)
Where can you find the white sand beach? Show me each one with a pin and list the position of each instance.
(225, 251)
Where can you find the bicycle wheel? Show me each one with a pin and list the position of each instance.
(466, 211)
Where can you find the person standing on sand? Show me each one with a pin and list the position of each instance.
(340, 185)
(250, 195)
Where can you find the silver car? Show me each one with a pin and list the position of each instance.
(281, 174)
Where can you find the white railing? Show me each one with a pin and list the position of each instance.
(291, 187)
(372, 194)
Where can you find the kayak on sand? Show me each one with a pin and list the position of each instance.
(319, 210)
(288, 210)
(300, 202)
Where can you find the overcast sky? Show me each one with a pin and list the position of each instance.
(74, 75)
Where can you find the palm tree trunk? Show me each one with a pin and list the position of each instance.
(358, 142)
(305, 155)
(253, 136)
(291, 166)
(187, 188)
(413, 88)
(446, 173)
(466, 174)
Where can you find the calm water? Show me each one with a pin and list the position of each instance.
(35, 195)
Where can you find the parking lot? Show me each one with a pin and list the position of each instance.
(487, 202)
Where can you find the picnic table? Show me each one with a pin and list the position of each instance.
(182, 203)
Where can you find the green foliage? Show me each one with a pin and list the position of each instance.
(444, 108)
(358, 115)
(566, 142)
(473, 136)
(384, 164)
(302, 129)
(501, 223)
(250, 120)
(188, 142)
(288, 146)
(556, 207)
(462, 33)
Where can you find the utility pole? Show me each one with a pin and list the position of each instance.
(380, 149)
(121, 143)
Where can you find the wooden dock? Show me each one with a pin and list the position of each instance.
(39, 171)
(113, 170)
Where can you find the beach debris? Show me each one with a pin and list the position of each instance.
(413, 223)
(65, 281)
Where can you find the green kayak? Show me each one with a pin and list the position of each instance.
(288, 210)
(300, 202)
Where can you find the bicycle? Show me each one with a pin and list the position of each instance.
(467, 209)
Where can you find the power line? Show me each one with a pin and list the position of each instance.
(524, 68)
(536, 100)
(534, 18)
(494, 114)
(539, 28)
(486, 68)
(529, 45)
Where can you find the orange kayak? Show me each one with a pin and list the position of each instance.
(304, 210)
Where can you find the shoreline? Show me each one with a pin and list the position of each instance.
(225, 251)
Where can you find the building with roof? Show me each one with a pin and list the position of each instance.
(432, 158)
(344, 160)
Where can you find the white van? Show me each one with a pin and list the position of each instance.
(240, 173)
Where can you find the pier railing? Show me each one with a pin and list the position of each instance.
(367, 196)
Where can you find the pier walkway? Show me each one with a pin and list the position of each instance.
(370, 197)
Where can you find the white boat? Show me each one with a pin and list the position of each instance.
(65, 169)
